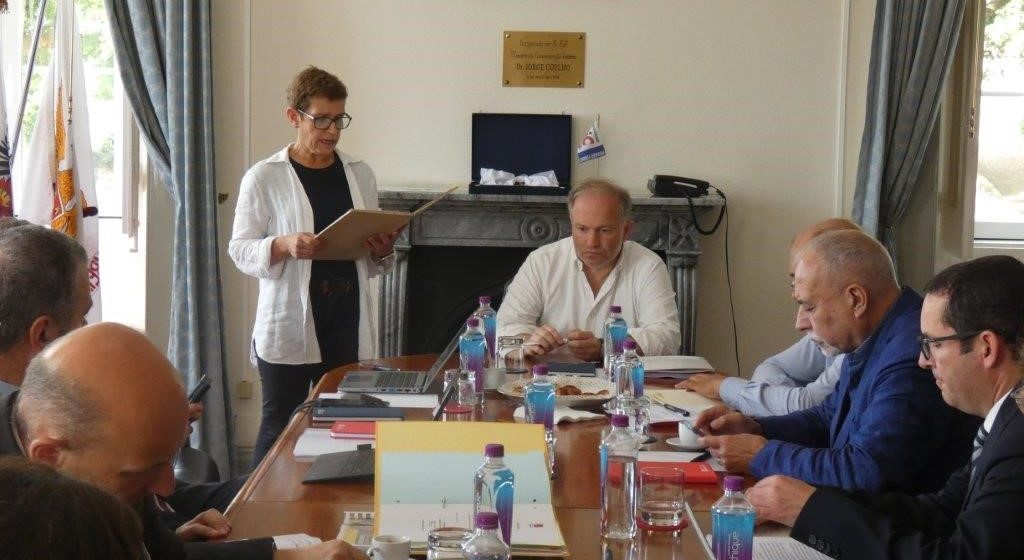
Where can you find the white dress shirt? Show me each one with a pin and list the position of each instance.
(797, 378)
(272, 203)
(551, 288)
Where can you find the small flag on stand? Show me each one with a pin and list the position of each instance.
(6, 200)
(591, 147)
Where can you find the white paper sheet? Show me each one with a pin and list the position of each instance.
(677, 457)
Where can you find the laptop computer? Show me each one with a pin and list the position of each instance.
(398, 381)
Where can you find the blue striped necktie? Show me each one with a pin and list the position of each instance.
(979, 442)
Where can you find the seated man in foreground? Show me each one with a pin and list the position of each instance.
(972, 326)
(561, 294)
(103, 405)
(799, 377)
(885, 427)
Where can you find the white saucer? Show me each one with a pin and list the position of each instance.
(674, 442)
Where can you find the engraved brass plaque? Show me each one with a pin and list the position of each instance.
(543, 59)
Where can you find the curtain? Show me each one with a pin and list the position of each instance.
(163, 52)
(911, 51)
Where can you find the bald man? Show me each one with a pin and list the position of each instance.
(103, 405)
(799, 377)
(885, 427)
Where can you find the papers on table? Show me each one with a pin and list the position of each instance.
(298, 540)
(398, 400)
(357, 529)
(562, 414)
(784, 548)
(694, 403)
(317, 441)
(675, 367)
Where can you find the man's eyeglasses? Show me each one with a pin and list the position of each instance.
(926, 342)
(341, 122)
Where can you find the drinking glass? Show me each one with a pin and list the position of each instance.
(510, 354)
(661, 499)
(464, 398)
(445, 543)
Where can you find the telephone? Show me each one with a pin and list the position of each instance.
(670, 185)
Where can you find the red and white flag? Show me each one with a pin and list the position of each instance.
(6, 204)
(58, 188)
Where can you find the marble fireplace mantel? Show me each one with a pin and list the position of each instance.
(662, 224)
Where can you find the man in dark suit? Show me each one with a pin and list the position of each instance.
(972, 326)
(103, 405)
(885, 426)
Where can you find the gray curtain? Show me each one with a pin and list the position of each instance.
(911, 52)
(163, 52)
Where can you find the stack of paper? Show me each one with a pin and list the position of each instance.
(674, 367)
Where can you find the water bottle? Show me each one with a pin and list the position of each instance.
(732, 523)
(486, 543)
(473, 353)
(618, 452)
(629, 372)
(493, 488)
(615, 330)
(489, 320)
(539, 405)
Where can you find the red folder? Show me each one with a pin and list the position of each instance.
(693, 473)
(354, 429)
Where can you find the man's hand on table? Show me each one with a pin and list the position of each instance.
(779, 498)
(734, 452)
(330, 550)
(210, 524)
(542, 340)
(706, 384)
(584, 345)
(722, 420)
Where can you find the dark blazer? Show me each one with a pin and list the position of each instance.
(161, 542)
(968, 518)
(884, 428)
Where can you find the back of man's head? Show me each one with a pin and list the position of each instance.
(816, 230)
(852, 257)
(101, 402)
(605, 187)
(986, 293)
(39, 276)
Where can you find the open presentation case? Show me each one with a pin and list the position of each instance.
(522, 144)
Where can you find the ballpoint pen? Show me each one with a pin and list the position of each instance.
(675, 408)
(704, 456)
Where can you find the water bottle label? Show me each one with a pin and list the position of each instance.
(618, 335)
(638, 379)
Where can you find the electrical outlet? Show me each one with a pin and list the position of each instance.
(244, 389)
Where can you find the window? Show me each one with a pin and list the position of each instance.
(999, 191)
(122, 273)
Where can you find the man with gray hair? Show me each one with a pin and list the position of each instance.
(561, 294)
(885, 427)
(44, 293)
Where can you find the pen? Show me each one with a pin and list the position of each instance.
(704, 456)
(674, 408)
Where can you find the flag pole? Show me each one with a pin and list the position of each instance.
(28, 80)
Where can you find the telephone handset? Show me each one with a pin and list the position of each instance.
(671, 185)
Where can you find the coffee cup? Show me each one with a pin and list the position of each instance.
(389, 547)
(687, 437)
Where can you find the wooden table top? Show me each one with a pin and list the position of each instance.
(275, 502)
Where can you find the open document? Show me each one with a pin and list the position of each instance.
(347, 235)
(424, 480)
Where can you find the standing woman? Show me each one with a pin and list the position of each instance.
(313, 315)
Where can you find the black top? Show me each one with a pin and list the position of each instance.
(328, 192)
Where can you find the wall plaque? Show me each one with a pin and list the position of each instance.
(543, 59)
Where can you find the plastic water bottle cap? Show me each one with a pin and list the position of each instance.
(540, 369)
(620, 421)
(485, 300)
(734, 483)
(473, 322)
(615, 309)
(629, 345)
(494, 450)
(487, 520)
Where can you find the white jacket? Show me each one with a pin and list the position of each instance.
(272, 203)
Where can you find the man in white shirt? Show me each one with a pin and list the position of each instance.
(559, 299)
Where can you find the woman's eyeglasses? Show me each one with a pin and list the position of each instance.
(341, 122)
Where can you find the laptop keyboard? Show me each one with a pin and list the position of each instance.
(356, 463)
(397, 379)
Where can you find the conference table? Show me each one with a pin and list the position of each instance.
(275, 502)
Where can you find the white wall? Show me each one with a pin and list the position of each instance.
(764, 99)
